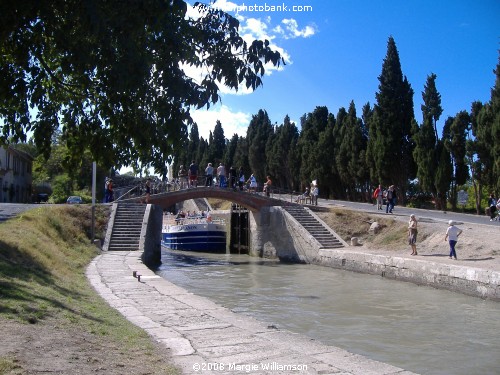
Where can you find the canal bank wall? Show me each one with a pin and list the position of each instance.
(203, 337)
(281, 236)
(274, 233)
(470, 281)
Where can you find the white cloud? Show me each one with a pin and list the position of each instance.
(232, 122)
(291, 29)
(255, 29)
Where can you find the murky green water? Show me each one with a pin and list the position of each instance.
(417, 328)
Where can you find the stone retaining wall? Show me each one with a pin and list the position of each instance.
(471, 281)
(283, 237)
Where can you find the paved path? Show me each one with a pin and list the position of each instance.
(9, 210)
(442, 216)
(204, 338)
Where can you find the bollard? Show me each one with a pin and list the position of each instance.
(139, 278)
(134, 273)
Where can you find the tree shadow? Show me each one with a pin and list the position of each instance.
(477, 259)
(462, 259)
(23, 281)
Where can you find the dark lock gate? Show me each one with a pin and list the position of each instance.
(240, 232)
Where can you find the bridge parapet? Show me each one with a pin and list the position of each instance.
(252, 201)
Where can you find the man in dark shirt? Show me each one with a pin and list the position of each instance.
(193, 174)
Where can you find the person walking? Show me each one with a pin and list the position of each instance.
(314, 194)
(232, 177)
(209, 172)
(378, 196)
(492, 205)
(253, 184)
(182, 177)
(390, 200)
(267, 186)
(412, 234)
(221, 175)
(193, 175)
(111, 194)
(241, 179)
(148, 189)
(106, 191)
(452, 234)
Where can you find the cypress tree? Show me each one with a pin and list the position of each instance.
(312, 125)
(258, 132)
(456, 144)
(432, 102)
(390, 136)
(495, 128)
(218, 143)
(327, 174)
(278, 157)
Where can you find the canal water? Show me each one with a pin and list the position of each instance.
(417, 328)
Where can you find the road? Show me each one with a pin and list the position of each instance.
(421, 214)
(9, 210)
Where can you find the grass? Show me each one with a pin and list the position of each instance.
(6, 365)
(43, 257)
(347, 224)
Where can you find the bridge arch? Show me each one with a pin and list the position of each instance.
(253, 202)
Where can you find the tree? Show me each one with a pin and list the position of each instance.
(426, 137)
(241, 158)
(390, 129)
(312, 124)
(495, 127)
(456, 144)
(425, 154)
(325, 171)
(258, 132)
(193, 145)
(432, 102)
(111, 74)
(230, 151)
(278, 158)
(218, 143)
(444, 173)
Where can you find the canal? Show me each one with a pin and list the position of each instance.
(417, 328)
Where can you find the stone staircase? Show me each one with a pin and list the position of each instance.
(326, 238)
(201, 203)
(127, 227)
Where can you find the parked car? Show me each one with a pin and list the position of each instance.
(74, 199)
(42, 197)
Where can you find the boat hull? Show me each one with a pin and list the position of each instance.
(195, 237)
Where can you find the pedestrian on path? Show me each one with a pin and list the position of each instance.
(390, 199)
(452, 233)
(378, 196)
(412, 234)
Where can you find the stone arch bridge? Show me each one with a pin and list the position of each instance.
(251, 201)
(278, 227)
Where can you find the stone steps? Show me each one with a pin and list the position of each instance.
(326, 238)
(127, 227)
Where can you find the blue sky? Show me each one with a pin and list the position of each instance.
(335, 50)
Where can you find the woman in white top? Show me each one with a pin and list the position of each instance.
(253, 183)
(452, 233)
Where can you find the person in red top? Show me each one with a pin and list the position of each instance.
(377, 195)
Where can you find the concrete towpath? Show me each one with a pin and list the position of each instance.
(204, 338)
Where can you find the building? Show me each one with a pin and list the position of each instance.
(16, 177)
